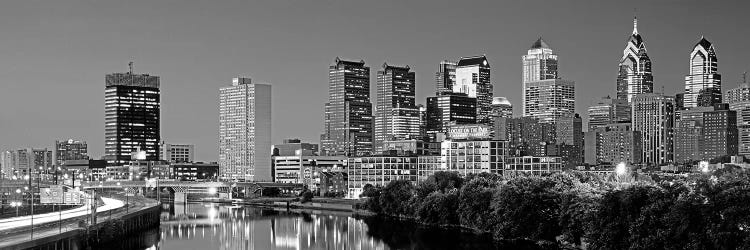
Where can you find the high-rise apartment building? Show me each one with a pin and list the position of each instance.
(720, 137)
(607, 110)
(132, 108)
(653, 116)
(245, 131)
(445, 77)
(703, 83)
(396, 113)
(620, 144)
(549, 100)
(70, 149)
(473, 79)
(634, 75)
(348, 127)
(176, 153)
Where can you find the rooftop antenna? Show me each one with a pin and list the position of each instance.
(130, 67)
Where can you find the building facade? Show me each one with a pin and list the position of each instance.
(348, 121)
(306, 169)
(621, 144)
(379, 171)
(132, 113)
(549, 100)
(653, 117)
(195, 171)
(445, 77)
(175, 153)
(634, 76)
(396, 113)
(473, 79)
(607, 110)
(501, 107)
(473, 156)
(739, 101)
(70, 150)
(539, 63)
(449, 109)
(703, 84)
(532, 165)
(245, 131)
(291, 147)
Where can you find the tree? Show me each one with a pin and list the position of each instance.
(527, 207)
(393, 199)
(307, 196)
(439, 208)
(475, 201)
(441, 181)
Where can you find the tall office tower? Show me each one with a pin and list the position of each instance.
(445, 77)
(132, 114)
(245, 131)
(606, 110)
(621, 144)
(449, 109)
(653, 116)
(539, 63)
(501, 107)
(473, 79)
(634, 75)
(739, 101)
(720, 137)
(348, 113)
(176, 153)
(70, 150)
(548, 100)
(396, 115)
(703, 84)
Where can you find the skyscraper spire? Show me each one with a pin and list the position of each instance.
(635, 25)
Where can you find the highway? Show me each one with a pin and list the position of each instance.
(25, 221)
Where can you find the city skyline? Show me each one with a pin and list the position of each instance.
(78, 60)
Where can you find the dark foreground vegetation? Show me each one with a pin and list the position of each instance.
(570, 209)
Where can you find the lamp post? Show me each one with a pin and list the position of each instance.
(16, 204)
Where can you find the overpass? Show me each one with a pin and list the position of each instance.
(180, 189)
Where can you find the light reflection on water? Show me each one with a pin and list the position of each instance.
(216, 226)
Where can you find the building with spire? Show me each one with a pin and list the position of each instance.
(703, 83)
(634, 76)
(347, 129)
(396, 113)
(473, 79)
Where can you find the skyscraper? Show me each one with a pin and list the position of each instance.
(132, 112)
(549, 100)
(539, 63)
(245, 131)
(396, 115)
(703, 83)
(501, 107)
(739, 101)
(473, 79)
(449, 109)
(348, 113)
(605, 111)
(653, 116)
(70, 150)
(634, 75)
(445, 77)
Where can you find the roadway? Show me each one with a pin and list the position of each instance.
(24, 221)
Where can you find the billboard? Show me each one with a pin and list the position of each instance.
(72, 198)
(469, 131)
(51, 195)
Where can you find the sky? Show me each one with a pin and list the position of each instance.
(54, 54)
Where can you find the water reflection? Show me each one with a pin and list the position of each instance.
(214, 226)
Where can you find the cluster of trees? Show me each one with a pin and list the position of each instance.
(575, 209)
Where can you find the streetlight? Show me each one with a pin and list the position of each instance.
(703, 166)
(621, 169)
(16, 204)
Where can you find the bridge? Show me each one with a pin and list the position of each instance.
(179, 189)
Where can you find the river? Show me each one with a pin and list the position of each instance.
(221, 226)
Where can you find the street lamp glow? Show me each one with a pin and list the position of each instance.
(703, 166)
(212, 190)
(621, 169)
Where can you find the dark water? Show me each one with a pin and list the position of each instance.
(215, 226)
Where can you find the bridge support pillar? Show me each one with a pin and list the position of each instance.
(180, 194)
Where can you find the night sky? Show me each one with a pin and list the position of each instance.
(54, 54)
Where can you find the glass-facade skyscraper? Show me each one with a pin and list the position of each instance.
(703, 83)
(245, 131)
(348, 123)
(634, 76)
(545, 96)
(473, 79)
(653, 116)
(396, 115)
(540, 63)
(132, 107)
(445, 77)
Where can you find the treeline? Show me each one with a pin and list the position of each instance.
(576, 210)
